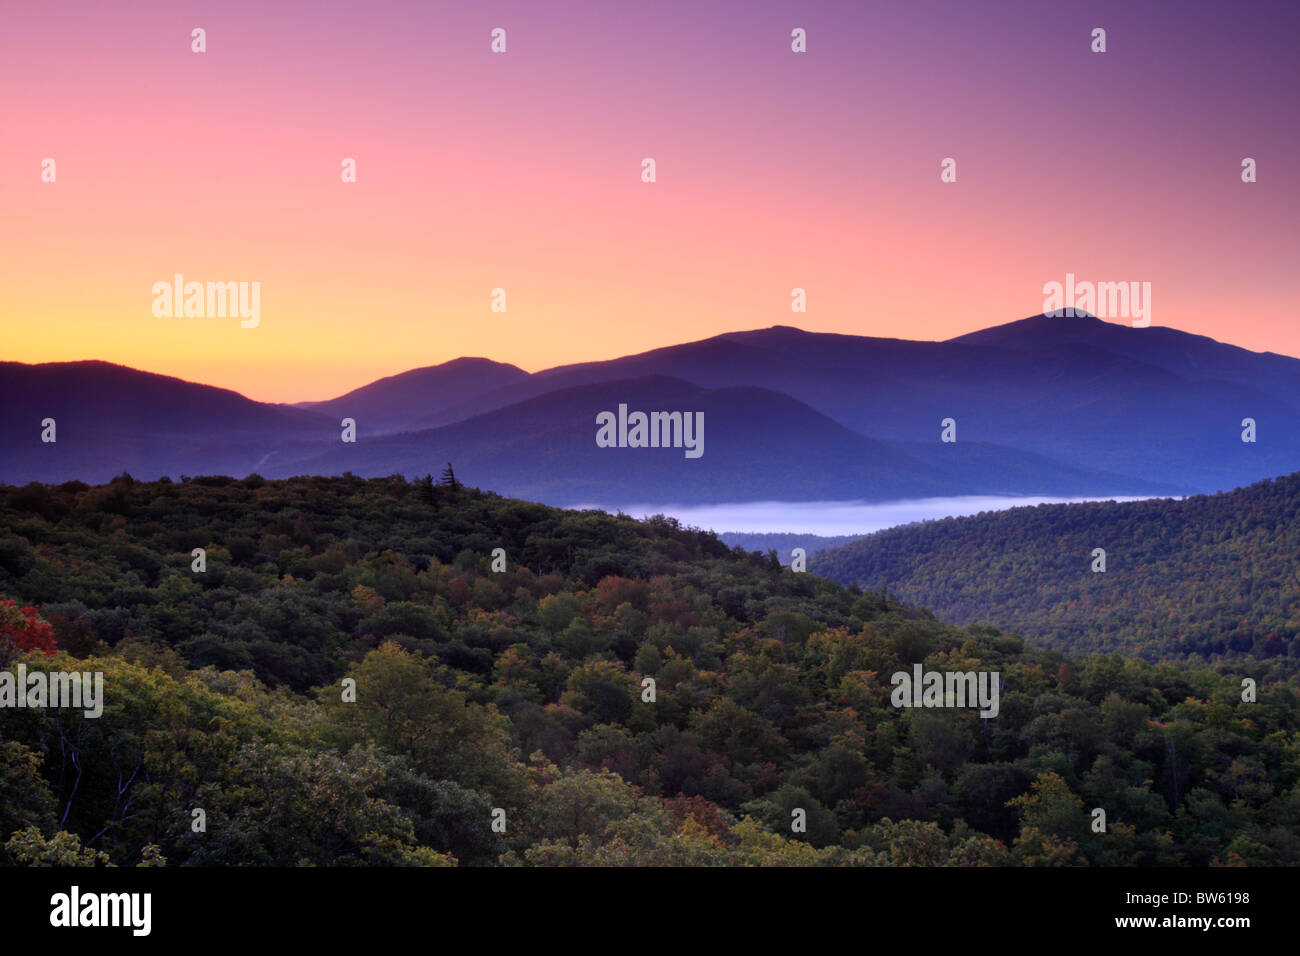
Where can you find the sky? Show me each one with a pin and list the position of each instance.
(523, 171)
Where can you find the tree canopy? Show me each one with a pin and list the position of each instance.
(348, 681)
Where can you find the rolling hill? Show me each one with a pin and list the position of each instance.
(397, 402)
(110, 419)
(1207, 577)
(758, 445)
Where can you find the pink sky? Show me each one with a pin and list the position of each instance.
(522, 171)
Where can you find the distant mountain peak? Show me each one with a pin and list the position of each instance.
(1039, 325)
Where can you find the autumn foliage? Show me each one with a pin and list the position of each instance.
(25, 628)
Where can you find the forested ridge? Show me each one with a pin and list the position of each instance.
(1209, 577)
(520, 697)
(785, 543)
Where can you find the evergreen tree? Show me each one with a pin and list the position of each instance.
(448, 478)
(428, 493)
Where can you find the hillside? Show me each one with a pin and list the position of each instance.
(1205, 577)
(397, 402)
(1155, 403)
(1192, 357)
(758, 444)
(525, 692)
(110, 419)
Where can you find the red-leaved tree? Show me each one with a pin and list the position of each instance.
(25, 628)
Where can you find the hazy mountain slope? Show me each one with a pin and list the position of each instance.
(1061, 387)
(758, 444)
(710, 363)
(405, 401)
(1192, 357)
(102, 395)
(1155, 403)
(111, 419)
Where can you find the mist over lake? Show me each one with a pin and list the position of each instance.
(838, 517)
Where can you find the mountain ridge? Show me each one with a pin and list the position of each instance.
(1037, 399)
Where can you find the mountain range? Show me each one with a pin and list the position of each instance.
(1045, 405)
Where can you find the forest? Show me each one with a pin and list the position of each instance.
(1204, 578)
(341, 677)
